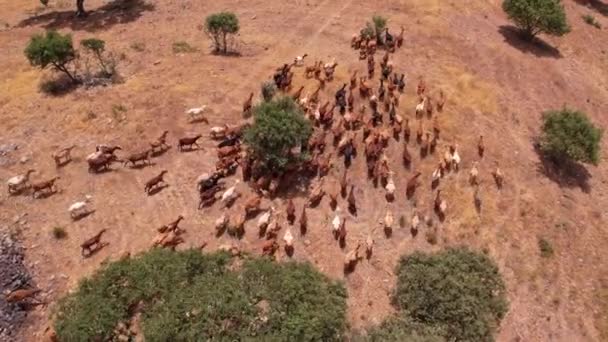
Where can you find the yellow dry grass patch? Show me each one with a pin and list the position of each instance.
(467, 91)
(21, 85)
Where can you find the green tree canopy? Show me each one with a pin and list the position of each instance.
(53, 49)
(536, 16)
(190, 296)
(279, 126)
(456, 291)
(218, 26)
(569, 134)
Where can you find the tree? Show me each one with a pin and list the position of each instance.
(279, 127)
(536, 16)
(218, 26)
(458, 292)
(97, 47)
(569, 134)
(52, 49)
(374, 29)
(190, 296)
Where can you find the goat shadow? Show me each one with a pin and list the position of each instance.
(537, 46)
(565, 173)
(45, 194)
(94, 251)
(190, 149)
(157, 189)
(198, 120)
(158, 153)
(112, 13)
(597, 5)
(139, 166)
(83, 215)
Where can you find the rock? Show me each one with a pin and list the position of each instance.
(253, 17)
(7, 148)
(157, 62)
(24, 159)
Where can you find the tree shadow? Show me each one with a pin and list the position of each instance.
(59, 86)
(597, 5)
(565, 173)
(537, 46)
(113, 13)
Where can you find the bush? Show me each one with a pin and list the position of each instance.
(268, 90)
(97, 47)
(546, 250)
(536, 16)
(589, 19)
(568, 134)
(189, 296)
(374, 29)
(279, 127)
(458, 292)
(52, 49)
(183, 47)
(59, 233)
(398, 329)
(218, 26)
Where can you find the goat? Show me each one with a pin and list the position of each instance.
(188, 142)
(221, 223)
(137, 157)
(440, 205)
(63, 156)
(441, 101)
(252, 205)
(87, 246)
(197, 114)
(227, 151)
(415, 222)
(264, 220)
(297, 94)
(351, 258)
(480, 146)
(238, 227)
(316, 195)
(406, 130)
(79, 209)
(291, 211)
(420, 106)
(369, 245)
(20, 295)
(436, 175)
(343, 184)
(473, 174)
(390, 187)
(477, 198)
(273, 229)
(48, 185)
(352, 204)
(154, 182)
(419, 132)
(353, 80)
(230, 194)
(270, 247)
(303, 221)
(288, 238)
(299, 60)
(389, 220)
(19, 182)
(498, 177)
(420, 89)
(247, 105)
(218, 132)
(171, 226)
(341, 234)
(160, 143)
(455, 157)
(100, 161)
(107, 149)
(412, 183)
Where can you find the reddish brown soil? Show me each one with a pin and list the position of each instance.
(496, 85)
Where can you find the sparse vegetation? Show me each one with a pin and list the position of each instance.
(374, 28)
(53, 49)
(98, 48)
(537, 16)
(402, 329)
(279, 127)
(118, 112)
(138, 46)
(269, 89)
(183, 47)
(219, 26)
(189, 296)
(59, 233)
(570, 135)
(457, 292)
(589, 19)
(545, 247)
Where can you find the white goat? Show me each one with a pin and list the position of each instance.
(420, 106)
(288, 238)
(415, 221)
(265, 219)
(390, 185)
(230, 194)
(389, 219)
(17, 183)
(218, 132)
(196, 113)
(335, 223)
(299, 60)
(79, 209)
(221, 223)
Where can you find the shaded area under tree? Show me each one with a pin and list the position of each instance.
(537, 46)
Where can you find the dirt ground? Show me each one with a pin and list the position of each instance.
(496, 85)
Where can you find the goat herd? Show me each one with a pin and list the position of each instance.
(374, 119)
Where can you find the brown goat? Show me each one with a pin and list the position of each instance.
(155, 181)
(188, 142)
(248, 104)
(63, 156)
(252, 205)
(137, 157)
(291, 211)
(480, 146)
(20, 295)
(171, 226)
(352, 203)
(303, 221)
(47, 186)
(93, 244)
(411, 185)
(160, 143)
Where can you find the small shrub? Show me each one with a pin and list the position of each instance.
(218, 26)
(457, 292)
(401, 329)
(546, 250)
(569, 135)
(118, 112)
(59, 233)
(535, 16)
(269, 89)
(183, 47)
(98, 47)
(279, 126)
(589, 19)
(375, 28)
(138, 46)
(52, 49)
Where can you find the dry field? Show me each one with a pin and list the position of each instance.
(496, 85)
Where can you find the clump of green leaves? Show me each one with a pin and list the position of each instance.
(459, 293)
(219, 26)
(59, 233)
(589, 19)
(546, 250)
(269, 89)
(279, 127)
(537, 16)
(569, 135)
(52, 49)
(183, 47)
(375, 28)
(189, 296)
(97, 47)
